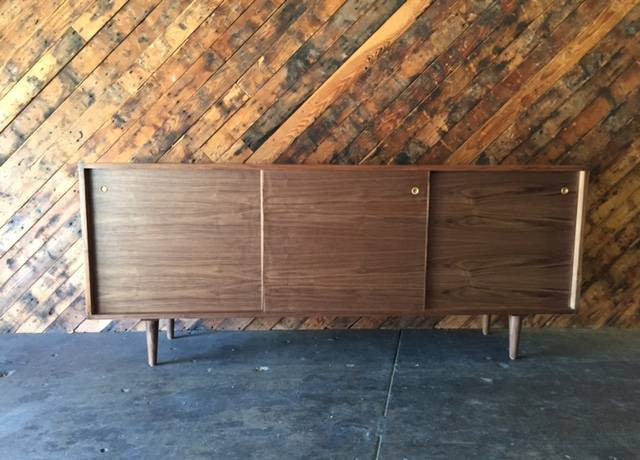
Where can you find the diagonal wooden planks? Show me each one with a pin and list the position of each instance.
(342, 81)
(540, 82)
(343, 77)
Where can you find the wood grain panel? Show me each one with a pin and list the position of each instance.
(173, 240)
(501, 242)
(344, 240)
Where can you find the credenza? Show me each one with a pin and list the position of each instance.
(165, 241)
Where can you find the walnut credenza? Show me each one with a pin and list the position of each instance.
(167, 241)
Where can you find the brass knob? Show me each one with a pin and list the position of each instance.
(104, 188)
(564, 190)
(415, 190)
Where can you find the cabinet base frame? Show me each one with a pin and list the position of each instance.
(515, 323)
(152, 341)
(171, 328)
(486, 324)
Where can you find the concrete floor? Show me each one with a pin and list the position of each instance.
(327, 394)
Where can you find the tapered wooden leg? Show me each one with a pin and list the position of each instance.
(170, 328)
(515, 322)
(486, 324)
(152, 341)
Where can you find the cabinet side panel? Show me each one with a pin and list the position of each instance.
(576, 278)
(174, 241)
(501, 241)
(84, 182)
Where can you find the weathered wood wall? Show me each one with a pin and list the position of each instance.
(339, 81)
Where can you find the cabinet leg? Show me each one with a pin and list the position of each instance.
(170, 328)
(515, 323)
(152, 341)
(486, 324)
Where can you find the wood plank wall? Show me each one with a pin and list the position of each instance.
(289, 81)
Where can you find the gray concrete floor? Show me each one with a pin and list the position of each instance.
(326, 394)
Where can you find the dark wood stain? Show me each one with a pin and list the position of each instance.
(211, 240)
(172, 241)
(502, 242)
(344, 241)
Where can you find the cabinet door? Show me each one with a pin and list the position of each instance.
(503, 241)
(344, 240)
(173, 241)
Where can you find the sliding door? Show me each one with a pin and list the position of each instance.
(344, 240)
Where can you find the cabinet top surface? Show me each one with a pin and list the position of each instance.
(321, 167)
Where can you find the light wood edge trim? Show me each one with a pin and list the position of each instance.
(426, 241)
(576, 268)
(262, 306)
(88, 292)
(332, 167)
